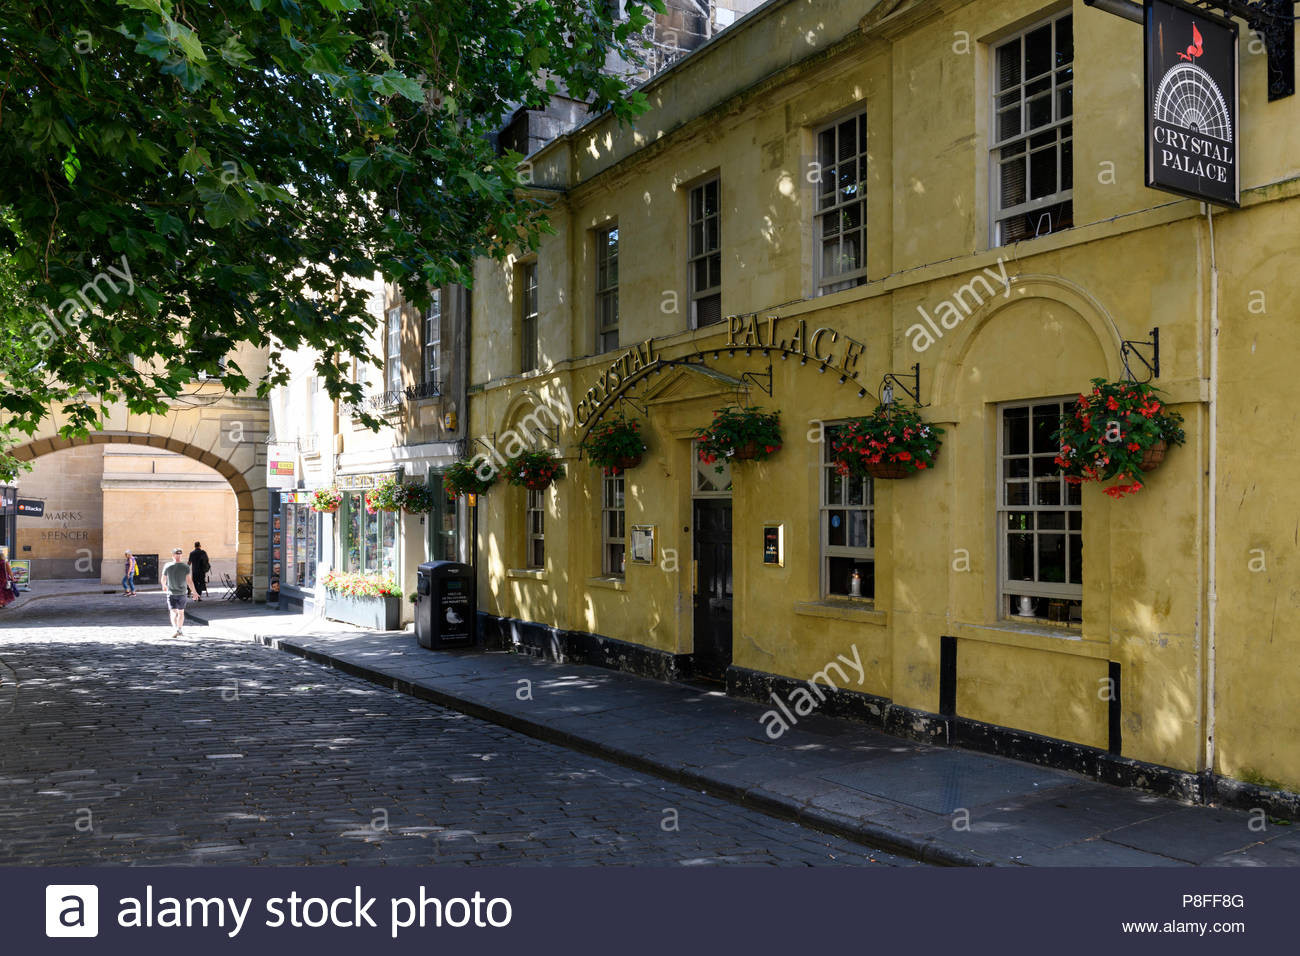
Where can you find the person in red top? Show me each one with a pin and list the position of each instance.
(8, 591)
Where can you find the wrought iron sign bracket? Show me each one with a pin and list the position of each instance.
(757, 378)
(1274, 20)
(914, 393)
(545, 433)
(1131, 346)
(490, 444)
(641, 408)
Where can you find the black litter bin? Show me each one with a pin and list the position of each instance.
(446, 611)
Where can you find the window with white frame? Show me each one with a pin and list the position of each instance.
(1033, 130)
(535, 521)
(607, 289)
(704, 263)
(528, 316)
(432, 342)
(840, 224)
(1040, 520)
(848, 528)
(393, 352)
(612, 526)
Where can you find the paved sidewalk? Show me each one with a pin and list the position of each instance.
(937, 804)
(69, 587)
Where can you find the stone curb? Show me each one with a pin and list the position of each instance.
(778, 805)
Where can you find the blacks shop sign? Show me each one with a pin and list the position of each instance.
(1191, 103)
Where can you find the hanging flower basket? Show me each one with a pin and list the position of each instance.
(892, 442)
(891, 469)
(463, 478)
(534, 470)
(1154, 455)
(1118, 430)
(615, 446)
(385, 496)
(326, 500)
(418, 499)
(741, 434)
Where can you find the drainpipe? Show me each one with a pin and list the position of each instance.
(1212, 595)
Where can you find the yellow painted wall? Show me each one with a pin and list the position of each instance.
(1136, 259)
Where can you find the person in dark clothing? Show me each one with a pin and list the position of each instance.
(199, 567)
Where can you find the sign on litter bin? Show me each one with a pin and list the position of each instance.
(445, 609)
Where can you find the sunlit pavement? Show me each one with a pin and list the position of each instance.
(120, 744)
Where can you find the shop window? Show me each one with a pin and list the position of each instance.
(393, 352)
(1040, 520)
(613, 526)
(369, 540)
(704, 264)
(528, 316)
(1033, 132)
(535, 520)
(607, 289)
(431, 346)
(848, 529)
(301, 533)
(840, 225)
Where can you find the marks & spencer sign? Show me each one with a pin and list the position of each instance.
(1191, 103)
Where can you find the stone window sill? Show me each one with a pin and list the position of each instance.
(534, 574)
(612, 584)
(859, 611)
(1042, 637)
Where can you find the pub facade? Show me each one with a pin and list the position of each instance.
(942, 203)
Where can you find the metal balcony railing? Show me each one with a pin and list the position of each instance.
(377, 402)
(424, 390)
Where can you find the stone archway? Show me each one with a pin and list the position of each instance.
(231, 441)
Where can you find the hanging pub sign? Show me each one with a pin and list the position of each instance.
(1191, 103)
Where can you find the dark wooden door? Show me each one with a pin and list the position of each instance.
(713, 595)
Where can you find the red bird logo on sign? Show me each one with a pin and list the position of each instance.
(1195, 49)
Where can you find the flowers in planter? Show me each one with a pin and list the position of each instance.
(462, 478)
(361, 585)
(326, 500)
(891, 442)
(740, 433)
(418, 499)
(385, 496)
(534, 470)
(615, 446)
(1117, 431)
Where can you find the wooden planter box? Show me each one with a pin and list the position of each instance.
(378, 613)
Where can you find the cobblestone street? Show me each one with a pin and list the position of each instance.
(119, 744)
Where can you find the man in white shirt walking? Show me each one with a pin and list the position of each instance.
(177, 580)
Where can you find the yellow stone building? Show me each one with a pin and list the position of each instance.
(826, 194)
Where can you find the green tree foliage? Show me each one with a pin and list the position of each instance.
(250, 163)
